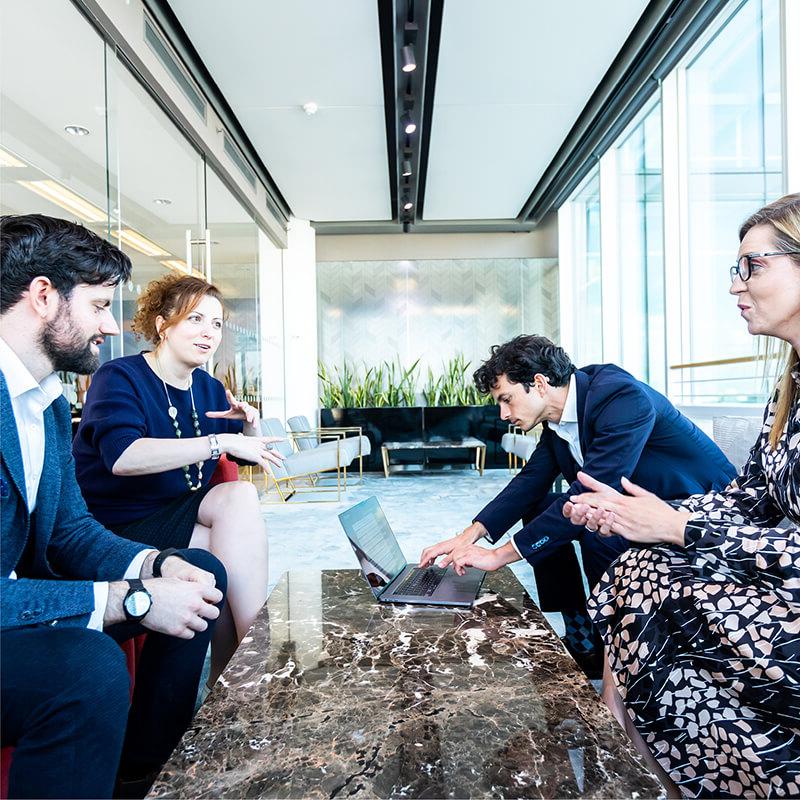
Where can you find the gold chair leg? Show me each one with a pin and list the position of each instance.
(385, 456)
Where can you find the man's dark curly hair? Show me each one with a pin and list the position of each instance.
(522, 358)
(65, 252)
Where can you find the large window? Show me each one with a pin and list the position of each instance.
(733, 125)
(587, 295)
(672, 192)
(641, 250)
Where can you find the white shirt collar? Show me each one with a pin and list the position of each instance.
(570, 412)
(19, 379)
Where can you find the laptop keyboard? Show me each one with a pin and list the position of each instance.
(422, 582)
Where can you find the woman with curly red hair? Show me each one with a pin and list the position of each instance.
(152, 429)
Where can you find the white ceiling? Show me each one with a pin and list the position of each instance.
(268, 59)
(512, 78)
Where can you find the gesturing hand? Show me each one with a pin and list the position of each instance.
(639, 515)
(238, 410)
(256, 449)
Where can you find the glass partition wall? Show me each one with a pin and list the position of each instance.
(88, 143)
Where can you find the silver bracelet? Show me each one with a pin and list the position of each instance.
(214, 444)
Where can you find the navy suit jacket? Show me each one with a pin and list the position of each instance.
(626, 428)
(69, 549)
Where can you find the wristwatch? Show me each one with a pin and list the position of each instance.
(159, 560)
(214, 444)
(137, 602)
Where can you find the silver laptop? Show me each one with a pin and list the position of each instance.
(390, 577)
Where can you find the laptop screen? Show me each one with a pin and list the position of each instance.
(376, 548)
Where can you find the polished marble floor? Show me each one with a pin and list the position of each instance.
(422, 509)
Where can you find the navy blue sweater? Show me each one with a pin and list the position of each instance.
(125, 402)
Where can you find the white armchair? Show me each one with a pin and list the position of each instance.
(356, 446)
(519, 446)
(300, 469)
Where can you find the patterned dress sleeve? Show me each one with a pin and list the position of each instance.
(735, 531)
(745, 499)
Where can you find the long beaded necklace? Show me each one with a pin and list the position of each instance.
(173, 413)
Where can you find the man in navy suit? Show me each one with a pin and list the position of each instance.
(69, 588)
(598, 419)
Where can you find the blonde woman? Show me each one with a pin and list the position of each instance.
(154, 425)
(703, 635)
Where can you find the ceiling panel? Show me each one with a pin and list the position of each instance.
(512, 79)
(268, 59)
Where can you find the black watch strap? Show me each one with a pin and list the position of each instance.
(162, 557)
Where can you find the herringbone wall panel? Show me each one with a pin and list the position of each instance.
(374, 311)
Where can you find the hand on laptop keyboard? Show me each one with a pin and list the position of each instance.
(422, 582)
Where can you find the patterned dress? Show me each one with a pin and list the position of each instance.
(704, 641)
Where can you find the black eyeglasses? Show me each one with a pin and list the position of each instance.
(744, 266)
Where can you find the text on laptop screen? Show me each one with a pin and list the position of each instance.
(378, 553)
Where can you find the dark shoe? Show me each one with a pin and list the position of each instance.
(591, 662)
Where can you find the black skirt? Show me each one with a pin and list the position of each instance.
(172, 526)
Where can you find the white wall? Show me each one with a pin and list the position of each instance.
(300, 320)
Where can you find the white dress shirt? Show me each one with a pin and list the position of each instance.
(566, 429)
(30, 400)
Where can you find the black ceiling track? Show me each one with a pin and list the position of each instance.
(661, 37)
(409, 33)
(386, 19)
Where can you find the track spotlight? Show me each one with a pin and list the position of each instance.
(407, 204)
(409, 126)
(408, 58)
(406, 168)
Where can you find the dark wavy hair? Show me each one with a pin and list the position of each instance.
(521, 359)
(65, 252)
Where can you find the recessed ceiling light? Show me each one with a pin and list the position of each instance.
(409, 126)
(76, 130)
(310, 108)
(162, 201)
(408, 59)
(408, 205)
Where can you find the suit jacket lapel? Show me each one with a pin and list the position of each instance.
(50, 482)
(9, 441)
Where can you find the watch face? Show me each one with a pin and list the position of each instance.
(137, 604)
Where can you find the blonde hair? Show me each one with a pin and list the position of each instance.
(783, 216)
(172, 297)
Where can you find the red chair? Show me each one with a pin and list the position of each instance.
(225, 471)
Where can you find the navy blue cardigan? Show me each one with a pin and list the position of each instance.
(626, 429)
(125, 402)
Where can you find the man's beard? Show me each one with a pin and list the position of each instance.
(65, 347)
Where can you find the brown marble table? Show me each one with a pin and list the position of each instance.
(333, 695)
